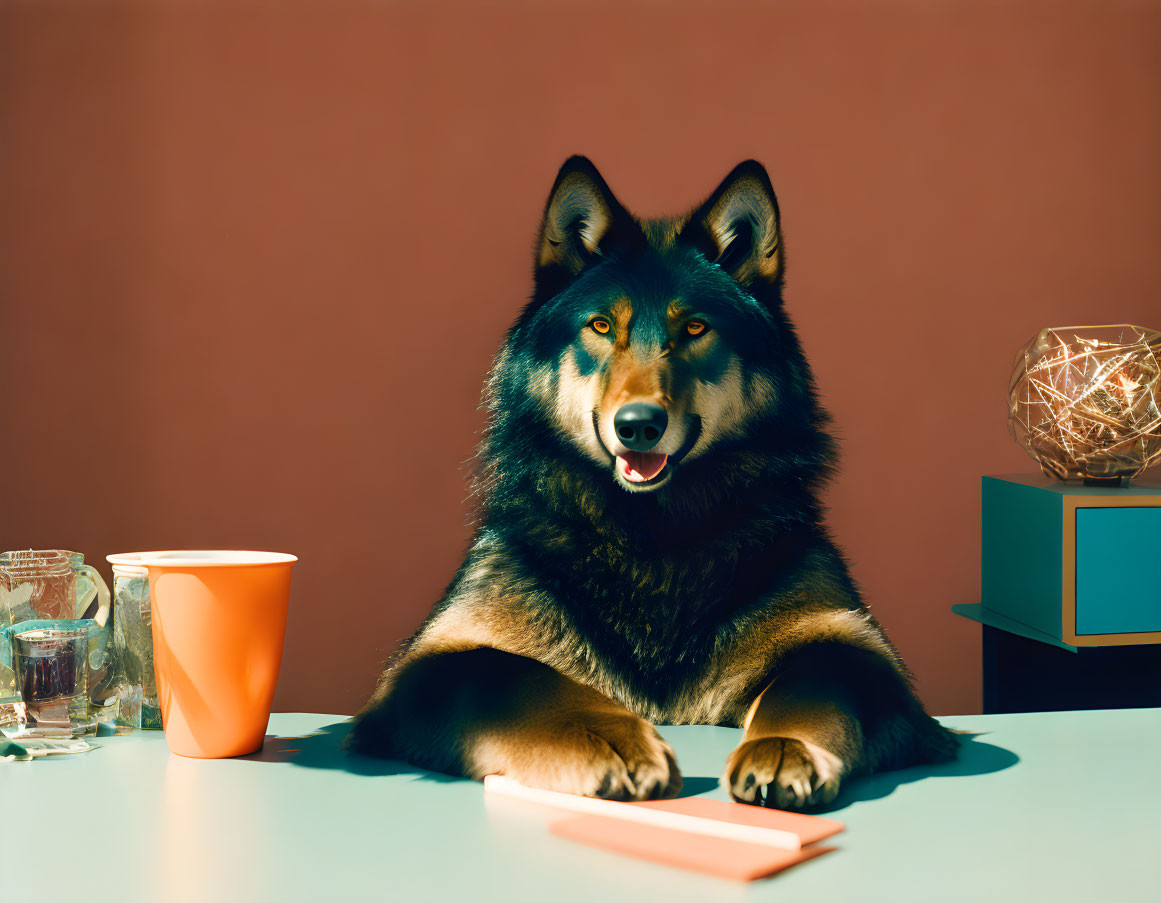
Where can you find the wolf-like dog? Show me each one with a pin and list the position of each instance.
(650, 544)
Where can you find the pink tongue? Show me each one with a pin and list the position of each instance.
(637, 467)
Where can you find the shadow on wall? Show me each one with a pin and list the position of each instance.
(323, 749)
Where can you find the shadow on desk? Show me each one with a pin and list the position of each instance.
(975, 757)
(324, 749)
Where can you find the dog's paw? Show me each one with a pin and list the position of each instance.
(782, 773)
(649, 762)
(613, 756)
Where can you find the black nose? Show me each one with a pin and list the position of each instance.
(640, 425)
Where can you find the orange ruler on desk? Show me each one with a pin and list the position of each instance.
(728, 840)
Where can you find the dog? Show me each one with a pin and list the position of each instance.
(650, 544)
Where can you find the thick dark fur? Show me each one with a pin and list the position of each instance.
(589, 608)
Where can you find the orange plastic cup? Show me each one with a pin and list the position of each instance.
(219, 621)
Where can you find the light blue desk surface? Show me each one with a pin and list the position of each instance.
(1050, 806)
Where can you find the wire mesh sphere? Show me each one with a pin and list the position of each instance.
(1085, 401)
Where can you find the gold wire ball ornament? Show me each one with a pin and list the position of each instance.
(1085, 401)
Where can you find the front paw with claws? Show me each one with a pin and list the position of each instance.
(782, 773)
(609, 754)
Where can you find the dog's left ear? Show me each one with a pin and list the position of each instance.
(738, 227)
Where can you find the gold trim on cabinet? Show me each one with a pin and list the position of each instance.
(1068, 575)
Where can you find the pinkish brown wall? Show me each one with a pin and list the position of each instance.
(247, 247)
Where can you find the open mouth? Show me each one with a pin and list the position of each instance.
(643, 471)
(641, 467)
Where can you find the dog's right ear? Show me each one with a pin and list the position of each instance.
(582, 222)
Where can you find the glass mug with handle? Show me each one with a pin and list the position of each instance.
(51, 590)
(50, 585)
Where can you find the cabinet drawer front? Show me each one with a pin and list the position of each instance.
(1118, 570)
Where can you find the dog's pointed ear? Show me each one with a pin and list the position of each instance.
(738, 227)
(582, 222)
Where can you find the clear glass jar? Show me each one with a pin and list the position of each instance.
(134, 685)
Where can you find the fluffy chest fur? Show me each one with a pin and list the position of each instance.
(651, 618)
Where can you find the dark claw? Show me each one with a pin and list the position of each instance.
(606, 787)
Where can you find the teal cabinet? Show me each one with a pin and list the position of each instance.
(1081, 564)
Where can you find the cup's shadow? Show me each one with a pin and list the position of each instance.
(324, 749)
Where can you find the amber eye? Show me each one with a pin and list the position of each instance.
(695, 327)
(600, 325)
